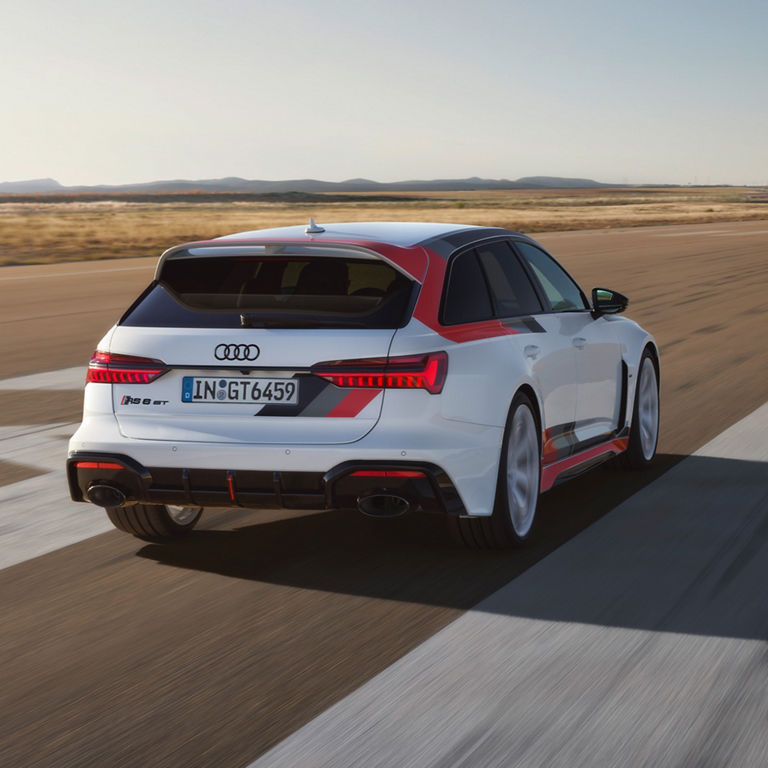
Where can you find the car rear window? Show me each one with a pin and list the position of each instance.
(275, 292)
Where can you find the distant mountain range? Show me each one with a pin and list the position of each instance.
(255, 186)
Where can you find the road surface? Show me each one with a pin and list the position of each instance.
(631, 632)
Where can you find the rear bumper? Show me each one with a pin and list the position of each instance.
(423, 484)
(468, 454)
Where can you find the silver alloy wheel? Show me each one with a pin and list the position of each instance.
(522, 470)
(648, 409)
(182, 515)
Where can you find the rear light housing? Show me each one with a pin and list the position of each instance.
(108, 368)
(410, 372)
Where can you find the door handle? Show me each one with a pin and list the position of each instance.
(579, 342)
(532, 351)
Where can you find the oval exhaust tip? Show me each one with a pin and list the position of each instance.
(383, 505)
(105, 495)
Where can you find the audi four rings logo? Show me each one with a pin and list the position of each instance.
(236, 352)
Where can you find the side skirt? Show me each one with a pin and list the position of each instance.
(560, 471)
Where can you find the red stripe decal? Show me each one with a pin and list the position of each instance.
(428, 306)
(485, 329)
(551, 472)
(353, 403)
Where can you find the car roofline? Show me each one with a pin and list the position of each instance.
(447, 238)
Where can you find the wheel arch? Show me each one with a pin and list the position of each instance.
(528, 390)
(652, 347)
(649, 345)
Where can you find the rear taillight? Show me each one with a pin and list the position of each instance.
(98, 465)
(106, 368)
(411, 372)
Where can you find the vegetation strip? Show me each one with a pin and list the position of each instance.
(45, 229)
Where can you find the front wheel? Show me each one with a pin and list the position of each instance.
(517, 490)
(155, 522)
(644, 430)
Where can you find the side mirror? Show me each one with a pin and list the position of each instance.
(605, 302)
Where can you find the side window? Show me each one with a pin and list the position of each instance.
(511, 289)
(466, 298)
(563, 294)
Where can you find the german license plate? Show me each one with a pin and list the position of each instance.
(207, 389)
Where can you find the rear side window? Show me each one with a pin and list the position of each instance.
(275, 292)
(466, 297)
(511, 289)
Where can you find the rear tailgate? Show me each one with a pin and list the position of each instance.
(238, 332)
(201, 398)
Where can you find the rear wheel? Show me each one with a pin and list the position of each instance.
(644, 430)
(155, 522)
(517, 490)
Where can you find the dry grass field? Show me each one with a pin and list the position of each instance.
(45, 230)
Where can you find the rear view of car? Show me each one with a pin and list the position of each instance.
(379, 367)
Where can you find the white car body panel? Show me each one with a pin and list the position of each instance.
(598, 360)
(281, 352)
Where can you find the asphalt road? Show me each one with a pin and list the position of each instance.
(210, 652)
(639, 643)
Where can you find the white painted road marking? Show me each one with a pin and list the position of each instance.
(36, 515)
(64, 379)
(714, 233)
(594, 656)
(695, 233)
(753, 232)
(37, 276)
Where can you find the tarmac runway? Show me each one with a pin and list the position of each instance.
(631, 632)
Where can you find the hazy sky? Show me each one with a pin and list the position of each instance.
(95, 91)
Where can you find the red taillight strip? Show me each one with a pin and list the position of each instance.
(386, 473)
(98, 465)
(409, 372)
(107, 368)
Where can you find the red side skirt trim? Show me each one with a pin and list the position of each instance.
(551, 472)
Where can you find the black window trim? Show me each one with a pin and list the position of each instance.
(137, 301)
(515, 254)
(537, 286)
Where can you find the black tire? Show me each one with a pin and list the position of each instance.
(154, 522)
(644, 430)
(505, 528)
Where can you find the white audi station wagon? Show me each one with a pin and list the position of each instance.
(383, 367)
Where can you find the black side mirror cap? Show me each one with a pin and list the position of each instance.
(607, 302)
